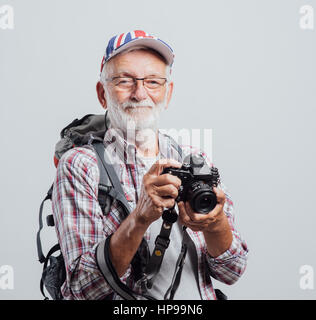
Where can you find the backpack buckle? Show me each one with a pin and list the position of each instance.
(162, 242)
(50, 220)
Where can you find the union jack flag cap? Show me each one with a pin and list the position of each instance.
(127, 40)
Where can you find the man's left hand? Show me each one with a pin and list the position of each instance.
(203, 222)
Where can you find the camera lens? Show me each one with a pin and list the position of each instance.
(205, 202)
(201, 197)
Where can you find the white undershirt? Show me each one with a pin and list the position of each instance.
(188, 288)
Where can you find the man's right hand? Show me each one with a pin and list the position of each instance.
(158, 191)
(150, 206)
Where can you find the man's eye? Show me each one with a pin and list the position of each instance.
(152, 82)
(124, 82)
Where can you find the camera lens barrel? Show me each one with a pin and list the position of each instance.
(201, 197)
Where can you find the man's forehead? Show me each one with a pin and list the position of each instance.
(137, 61)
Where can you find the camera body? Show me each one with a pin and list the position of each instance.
(198, 180)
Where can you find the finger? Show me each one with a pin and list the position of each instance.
(159, 165)
(168, 203)
(183, 213)
(184, 218)
(166, 179)
(156, 201)
(200, 218)
(220, 195)
(167, 191)
(194, 216)
(181, 207)
(161, 203)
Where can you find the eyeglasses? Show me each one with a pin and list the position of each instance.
(128, 83)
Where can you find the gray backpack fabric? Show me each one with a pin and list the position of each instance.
(78, 133)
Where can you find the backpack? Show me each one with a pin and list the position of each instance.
(78, 133)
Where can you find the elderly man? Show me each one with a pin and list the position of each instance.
(134, 88)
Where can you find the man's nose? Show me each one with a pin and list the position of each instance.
(139, 92)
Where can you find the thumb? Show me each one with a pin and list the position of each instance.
(161, 164)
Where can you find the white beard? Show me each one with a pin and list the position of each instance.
(131, 115)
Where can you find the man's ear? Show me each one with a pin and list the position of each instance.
(170, 90)
(101, 94)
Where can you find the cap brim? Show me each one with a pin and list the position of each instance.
(152, 43)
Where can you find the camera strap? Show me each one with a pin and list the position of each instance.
(169, 295)
(162, 241)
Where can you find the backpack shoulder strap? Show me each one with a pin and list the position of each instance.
(109, 183)
(173, 144)
(176, 146)
(110, 186)
(109, 178)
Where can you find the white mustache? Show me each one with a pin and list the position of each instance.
(144, 103)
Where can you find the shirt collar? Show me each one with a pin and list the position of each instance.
(126, 151)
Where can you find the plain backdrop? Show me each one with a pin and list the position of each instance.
(244, 69)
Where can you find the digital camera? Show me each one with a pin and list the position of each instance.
(198, 180)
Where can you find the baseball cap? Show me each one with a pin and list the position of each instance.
(130, 39)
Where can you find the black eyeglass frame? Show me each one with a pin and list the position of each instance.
(135, 79)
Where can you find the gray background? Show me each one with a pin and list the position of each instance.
(243, 68)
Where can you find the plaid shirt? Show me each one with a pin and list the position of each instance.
(81, 225)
